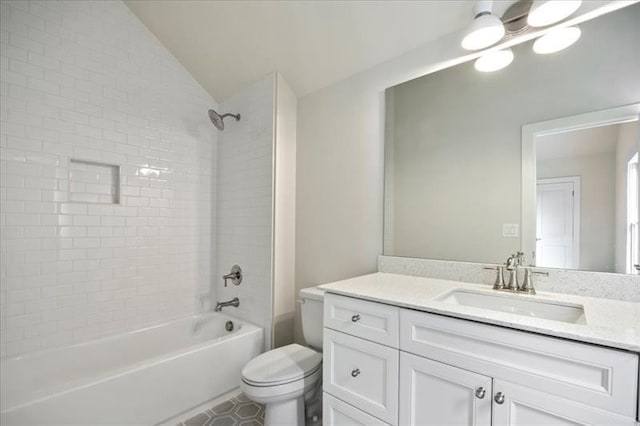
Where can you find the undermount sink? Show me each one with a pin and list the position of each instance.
(516, 304)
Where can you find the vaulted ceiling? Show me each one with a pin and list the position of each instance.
(226, 45)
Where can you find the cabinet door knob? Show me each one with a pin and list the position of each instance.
(480, 392)
(499, 398)
(355, 318)
(355, 373)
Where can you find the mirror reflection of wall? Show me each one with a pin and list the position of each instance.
(582, 202)
(453, 148)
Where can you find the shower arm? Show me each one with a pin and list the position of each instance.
(236, 116)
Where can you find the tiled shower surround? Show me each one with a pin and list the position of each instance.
(87, 81)
(244, 202)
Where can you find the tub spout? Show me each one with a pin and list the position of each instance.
(235, 302)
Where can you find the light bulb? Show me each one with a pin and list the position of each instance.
(494, 61)
(556, 40)
(547, 12)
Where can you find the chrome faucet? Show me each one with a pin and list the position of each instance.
(512, 264)
(235, 302)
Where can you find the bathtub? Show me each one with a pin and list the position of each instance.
(142, 377)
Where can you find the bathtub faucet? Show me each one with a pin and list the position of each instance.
(235, 302)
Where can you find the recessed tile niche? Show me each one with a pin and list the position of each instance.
(93, 182)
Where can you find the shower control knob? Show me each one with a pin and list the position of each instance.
(235, 276)
(355, 318)
(355, 373)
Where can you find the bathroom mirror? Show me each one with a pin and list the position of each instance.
(455, 165)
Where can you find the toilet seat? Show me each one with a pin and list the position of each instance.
(282, 392)
(281, 366)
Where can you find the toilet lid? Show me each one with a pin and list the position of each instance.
(283, 365)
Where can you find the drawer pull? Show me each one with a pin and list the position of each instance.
(499, 398)
(480, 392)
(355, 373)
(355, 318)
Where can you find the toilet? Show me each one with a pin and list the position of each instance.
(284, 378)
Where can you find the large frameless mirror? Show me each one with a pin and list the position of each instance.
(462, 183)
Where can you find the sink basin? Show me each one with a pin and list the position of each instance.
(515, 304)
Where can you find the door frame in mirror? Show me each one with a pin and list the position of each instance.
(530, 132)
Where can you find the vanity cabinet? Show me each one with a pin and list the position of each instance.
(405, 367)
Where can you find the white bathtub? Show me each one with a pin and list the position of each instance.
(138, 378)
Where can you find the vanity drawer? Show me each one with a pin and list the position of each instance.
(362, 373)
(338, 413)
(370, 320)
(596, 376)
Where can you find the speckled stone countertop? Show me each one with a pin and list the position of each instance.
(609, 322)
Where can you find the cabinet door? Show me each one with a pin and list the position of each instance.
(433, 393)
(517, 405)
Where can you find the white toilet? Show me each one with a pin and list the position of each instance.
(284, 377)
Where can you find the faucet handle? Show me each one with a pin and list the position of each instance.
(499, 284)
(527, 283)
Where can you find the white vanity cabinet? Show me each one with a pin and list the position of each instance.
(404, 367)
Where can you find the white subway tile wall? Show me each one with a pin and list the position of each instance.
(244, 204)
(86, 80)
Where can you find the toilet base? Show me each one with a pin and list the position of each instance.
(285, 413)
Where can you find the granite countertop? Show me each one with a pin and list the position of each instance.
(609, 322)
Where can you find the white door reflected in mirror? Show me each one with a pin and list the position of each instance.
(558, 222)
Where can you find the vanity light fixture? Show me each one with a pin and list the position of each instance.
(485, 30)
(548, 12)
(494, 61)
(556, 40)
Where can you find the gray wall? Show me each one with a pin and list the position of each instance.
(457, 137)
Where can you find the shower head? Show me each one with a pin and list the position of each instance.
(218, 120)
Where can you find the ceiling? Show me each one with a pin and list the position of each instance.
(226, 45)
(591, 141)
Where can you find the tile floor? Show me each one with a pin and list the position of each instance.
(238, 411)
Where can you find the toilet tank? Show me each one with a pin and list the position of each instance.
(312, 310)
